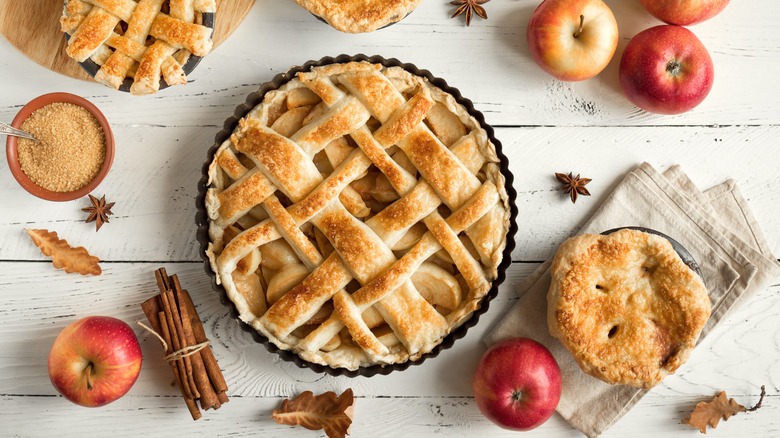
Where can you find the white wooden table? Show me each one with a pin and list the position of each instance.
(545, 126)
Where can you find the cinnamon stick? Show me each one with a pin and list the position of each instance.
(174, 325)
(154, 313)
(179, 376)
(215, 374)
(172, 314)
(222, 397)
(173, 341)
(208, 397)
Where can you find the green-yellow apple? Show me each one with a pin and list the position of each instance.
(95, 360)
(684, 12)
(517, 384)
(572, 40)
(666, 70)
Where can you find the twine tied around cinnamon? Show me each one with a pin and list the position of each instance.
(180, 353)
(174, 320)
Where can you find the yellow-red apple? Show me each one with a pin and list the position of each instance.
(95, 360)
(666, 70)
(684, 12)
(572, 40)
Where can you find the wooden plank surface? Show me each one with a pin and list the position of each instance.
(432, 399)
(155, 220)
(545, 126)
(488, 61)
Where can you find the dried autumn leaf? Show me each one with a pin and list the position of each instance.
(63, 255)
(711, 412)
(720, 407)
(326, 411)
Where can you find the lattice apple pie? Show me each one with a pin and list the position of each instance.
(144, 40)
(357, 215)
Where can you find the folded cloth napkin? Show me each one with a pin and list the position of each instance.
(715, 226)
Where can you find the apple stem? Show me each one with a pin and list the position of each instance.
(88, 371)
(673, 67)
(579, 31)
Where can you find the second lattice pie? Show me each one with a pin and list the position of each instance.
(142, 42)
(357, 215)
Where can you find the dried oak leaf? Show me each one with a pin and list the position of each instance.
(720, 407)
(326, 411)
(63, 255)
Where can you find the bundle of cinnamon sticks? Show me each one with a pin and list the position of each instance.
(173, 316)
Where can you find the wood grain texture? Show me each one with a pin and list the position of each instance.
(156, 219)
(388, 417)
(35, 31)
(488, 61)
(545, 126)
(431, 399)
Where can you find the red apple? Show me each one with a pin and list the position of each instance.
(684, 12)
(572, 40)
(95, 360)
(666, 70)
(517, 384)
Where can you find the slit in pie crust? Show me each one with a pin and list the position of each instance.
(357, 215)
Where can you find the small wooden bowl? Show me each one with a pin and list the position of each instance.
(13, 156)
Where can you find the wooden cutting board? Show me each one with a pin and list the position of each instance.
(33, 27)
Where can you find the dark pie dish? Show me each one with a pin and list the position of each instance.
(202, 218)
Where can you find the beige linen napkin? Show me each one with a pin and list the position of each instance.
(715, 226)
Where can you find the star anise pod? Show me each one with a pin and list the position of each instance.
(573, 185)
(99, 211)
(469, 7)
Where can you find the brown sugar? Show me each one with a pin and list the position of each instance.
(70, 150)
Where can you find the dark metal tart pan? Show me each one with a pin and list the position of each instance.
(201, 218)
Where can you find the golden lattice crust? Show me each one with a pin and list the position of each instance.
(144, 40)
(357, 215)
(357, 16)
(625, 306)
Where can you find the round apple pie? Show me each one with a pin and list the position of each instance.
(357, 215)
(626, 306)
(359, 16)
